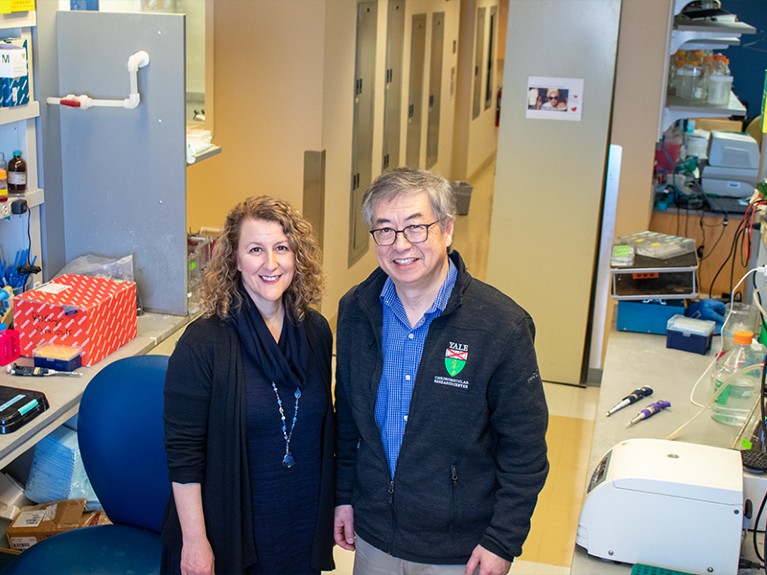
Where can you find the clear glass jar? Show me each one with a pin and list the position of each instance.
(690, 82)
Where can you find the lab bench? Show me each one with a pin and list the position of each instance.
(634, 360)
(64, 392)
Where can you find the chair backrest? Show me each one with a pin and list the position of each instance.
(120, 430)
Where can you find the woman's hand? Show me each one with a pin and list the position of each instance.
(197, 558)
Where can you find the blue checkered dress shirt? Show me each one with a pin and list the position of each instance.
(402, 349)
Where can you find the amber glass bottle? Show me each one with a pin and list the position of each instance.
(17, 174)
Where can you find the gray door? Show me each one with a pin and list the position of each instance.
(435, 88)
(490, 57)
(395, 39)
(362, 137)
(415, 95)
(479, 49)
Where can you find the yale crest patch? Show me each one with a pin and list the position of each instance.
(456, 356)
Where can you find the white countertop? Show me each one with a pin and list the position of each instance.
(64, 392)
(634, 360)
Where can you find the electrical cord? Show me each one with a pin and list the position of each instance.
(30, 268)
(730, 255)
(757, 298)
(759, 555)
(721, 225)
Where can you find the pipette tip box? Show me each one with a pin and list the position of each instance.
(689, 334)
(58, 357)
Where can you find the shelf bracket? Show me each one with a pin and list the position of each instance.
(135, 61)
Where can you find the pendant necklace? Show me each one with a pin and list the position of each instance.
(288, 461)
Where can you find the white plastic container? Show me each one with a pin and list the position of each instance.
(719, 88)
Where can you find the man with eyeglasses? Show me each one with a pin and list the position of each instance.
(441, 416)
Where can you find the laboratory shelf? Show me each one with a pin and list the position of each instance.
(205, 154)
(34, 198)
(18, 113)
(706, 34)
(717, 28)
(694, 34)
(18, 20)
(677, 108)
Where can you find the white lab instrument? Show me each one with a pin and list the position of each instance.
(733, 162)
(666, 504)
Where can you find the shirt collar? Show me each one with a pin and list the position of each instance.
(389, 292)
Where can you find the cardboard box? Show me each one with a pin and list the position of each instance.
(12, 497)
(14, 75)
(37, 522)
(97, 315)
(13, 59)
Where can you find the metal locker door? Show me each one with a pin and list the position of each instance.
(415, 96)
(479, 48)
(362, 139)
(395, 40)
(490, 57)
(435, 88)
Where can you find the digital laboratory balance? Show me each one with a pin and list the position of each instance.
(666, 504)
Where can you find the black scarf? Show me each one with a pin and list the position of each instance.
(284, 362)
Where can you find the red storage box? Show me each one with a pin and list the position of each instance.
(98, 315)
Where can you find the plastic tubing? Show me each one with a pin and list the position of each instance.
(674, 434)
(135, 61)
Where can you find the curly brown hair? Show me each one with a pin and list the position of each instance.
(219, 293)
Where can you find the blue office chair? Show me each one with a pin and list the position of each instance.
(120, 431)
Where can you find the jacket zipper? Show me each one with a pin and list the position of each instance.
(393, 517)
(454, 477)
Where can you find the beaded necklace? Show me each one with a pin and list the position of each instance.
(288, 461)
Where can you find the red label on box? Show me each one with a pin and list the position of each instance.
(98, 315)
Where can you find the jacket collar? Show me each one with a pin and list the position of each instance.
(369, 290)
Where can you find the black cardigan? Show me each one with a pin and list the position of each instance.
(205, 439)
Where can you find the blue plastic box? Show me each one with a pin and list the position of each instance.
(689, 334)
(648, 316)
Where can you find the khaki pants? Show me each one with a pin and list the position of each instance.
(369, 560)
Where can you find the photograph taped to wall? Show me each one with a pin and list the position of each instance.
(554, 98)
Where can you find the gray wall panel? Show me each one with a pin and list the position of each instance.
(550, 175)
(124, 171)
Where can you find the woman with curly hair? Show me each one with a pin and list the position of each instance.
(248, 410)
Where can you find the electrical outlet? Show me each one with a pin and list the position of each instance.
(5, 209)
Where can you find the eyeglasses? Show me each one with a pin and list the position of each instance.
(415, 234)
(552, 97)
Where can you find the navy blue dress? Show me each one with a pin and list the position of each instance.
(285, 501)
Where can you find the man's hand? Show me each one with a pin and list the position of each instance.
(343, 527)
(484, 562)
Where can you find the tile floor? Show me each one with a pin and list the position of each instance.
(549, 547)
